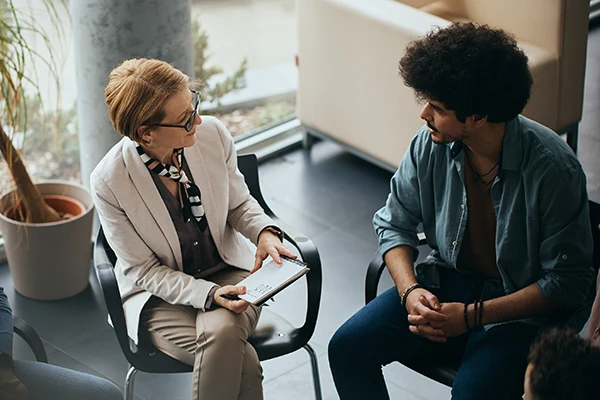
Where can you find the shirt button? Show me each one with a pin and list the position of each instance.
(564, 257)
(195, 243)
(462, 206)
(454, 243)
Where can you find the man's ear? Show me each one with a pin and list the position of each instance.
(477, 120)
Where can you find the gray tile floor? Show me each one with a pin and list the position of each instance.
(327, 194)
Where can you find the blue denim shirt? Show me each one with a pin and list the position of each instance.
(543, 231)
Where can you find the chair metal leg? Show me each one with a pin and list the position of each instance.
(129, 383)
(315, 371)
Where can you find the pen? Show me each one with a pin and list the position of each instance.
(230, 296)
(234, 297)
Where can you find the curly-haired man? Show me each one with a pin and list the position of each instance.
(503, 203)
(562, 366)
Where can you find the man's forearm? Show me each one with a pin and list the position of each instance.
(399, 261)
(527, 302)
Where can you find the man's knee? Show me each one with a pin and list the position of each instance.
(347, 344)
(340, 344)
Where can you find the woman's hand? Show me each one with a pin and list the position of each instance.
(269, 244)
(237, 306)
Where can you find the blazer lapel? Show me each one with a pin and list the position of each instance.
(201, 177)
(140, 176)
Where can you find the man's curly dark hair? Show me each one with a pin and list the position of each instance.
(472, 69)
(565, 366)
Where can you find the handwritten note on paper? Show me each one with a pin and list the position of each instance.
(271, 278)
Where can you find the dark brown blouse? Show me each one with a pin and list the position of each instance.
(198, 249)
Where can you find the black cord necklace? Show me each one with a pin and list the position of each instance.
(477, 176)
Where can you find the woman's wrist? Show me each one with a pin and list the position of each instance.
(274, 230)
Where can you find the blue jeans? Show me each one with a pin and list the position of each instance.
(492, 363)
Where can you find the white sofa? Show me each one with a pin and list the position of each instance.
(350, 91)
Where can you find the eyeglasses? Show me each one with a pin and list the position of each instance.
(191, 121)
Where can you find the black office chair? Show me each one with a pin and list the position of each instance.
(273, 337)
(443, 369)
(31, 337)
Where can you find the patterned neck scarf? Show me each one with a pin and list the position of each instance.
(189, 193)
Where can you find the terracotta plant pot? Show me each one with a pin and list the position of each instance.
(65, 206)
(50, 261)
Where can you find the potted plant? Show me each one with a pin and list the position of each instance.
(46, 226)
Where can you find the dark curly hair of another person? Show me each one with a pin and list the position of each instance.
(565, 366)
(472, 69)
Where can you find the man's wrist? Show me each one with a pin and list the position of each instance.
(488, 313)
(470, 318)
(407, 291)
(486, 317)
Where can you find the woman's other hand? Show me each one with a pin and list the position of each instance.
(269, 244)
(237, 306)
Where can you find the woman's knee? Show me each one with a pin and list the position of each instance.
(225, 334)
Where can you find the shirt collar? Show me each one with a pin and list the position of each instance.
(512, 146)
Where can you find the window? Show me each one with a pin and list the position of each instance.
(246, 47)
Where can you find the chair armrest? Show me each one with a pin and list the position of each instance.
(396, 15)
(31, 337)
(248, 166)
(374, 272)
(310, 255)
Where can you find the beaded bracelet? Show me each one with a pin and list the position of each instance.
(407, 292)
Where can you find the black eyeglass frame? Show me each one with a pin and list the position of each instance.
(191, 122)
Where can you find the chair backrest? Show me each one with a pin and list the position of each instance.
(143, 356)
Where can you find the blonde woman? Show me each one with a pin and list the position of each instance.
(175, 209)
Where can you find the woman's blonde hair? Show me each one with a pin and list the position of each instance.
(137, 91)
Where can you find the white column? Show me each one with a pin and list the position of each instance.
(107, 32)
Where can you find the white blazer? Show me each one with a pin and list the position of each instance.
(139, 229)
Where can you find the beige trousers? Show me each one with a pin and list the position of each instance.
(226, 366)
